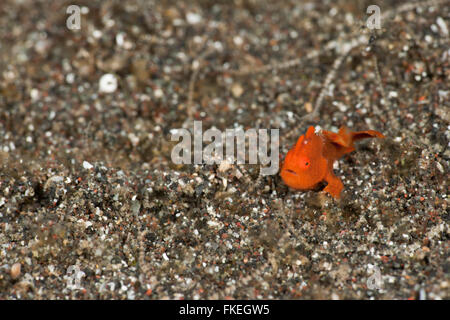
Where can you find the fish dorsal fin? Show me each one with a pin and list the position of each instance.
(306, 136)
(299, 141)
(311, 131)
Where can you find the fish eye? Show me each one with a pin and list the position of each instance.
(304, 162)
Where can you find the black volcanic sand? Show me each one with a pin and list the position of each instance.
(88, 188)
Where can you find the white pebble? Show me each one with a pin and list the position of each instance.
(34, 94)
(342, 107)
(87, 165)
(108, 83)
(97, 34)
(442, 25)
(193, 18)
(440, 167)
(393, 94)
(15, 270)
(238, 40)
(133, 139)
(434, 28)
(158, 93)
(70, 78)
(120, 39)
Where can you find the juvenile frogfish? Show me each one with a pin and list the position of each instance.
(311, 160)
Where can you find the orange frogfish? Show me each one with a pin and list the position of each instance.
(311, 160)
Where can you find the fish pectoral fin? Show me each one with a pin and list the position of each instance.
(366, 134)
(345, 138)
(341, 139)
(335, 185)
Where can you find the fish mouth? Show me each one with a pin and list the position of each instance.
(290, 171)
